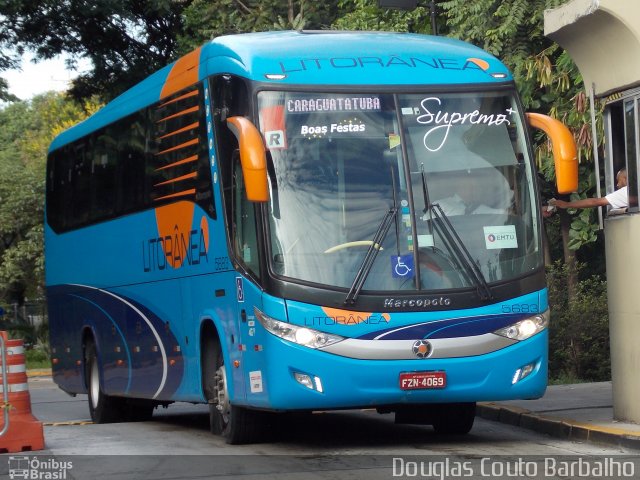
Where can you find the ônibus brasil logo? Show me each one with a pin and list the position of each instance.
(38, 468)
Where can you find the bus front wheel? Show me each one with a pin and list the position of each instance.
(102, 407)
(455, 418)
(446, 418)
(237, 425)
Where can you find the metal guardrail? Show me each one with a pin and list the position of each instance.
(32, 313)
(5, 386)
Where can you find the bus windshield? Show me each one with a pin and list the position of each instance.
(343, 165)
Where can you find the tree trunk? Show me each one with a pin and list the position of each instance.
(569, 255)
(291, 13)
(546, 249)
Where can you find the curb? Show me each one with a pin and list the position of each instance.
(558, 428)
(39, 372)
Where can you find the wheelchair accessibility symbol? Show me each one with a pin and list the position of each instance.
(402, 266)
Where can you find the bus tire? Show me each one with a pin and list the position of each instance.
(455, 418)
(103, 408)
(237, 425)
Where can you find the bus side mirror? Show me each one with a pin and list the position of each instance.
(252, 157)
(565, 154)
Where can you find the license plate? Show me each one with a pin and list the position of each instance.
(422, 380)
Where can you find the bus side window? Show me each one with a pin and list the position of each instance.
(244, 236)
(230, 98)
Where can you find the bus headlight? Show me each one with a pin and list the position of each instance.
(307, 337)
(526, 328)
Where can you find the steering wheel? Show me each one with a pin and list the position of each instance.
(359, 243)
(434, 261)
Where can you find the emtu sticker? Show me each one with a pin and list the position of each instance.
(501, 236)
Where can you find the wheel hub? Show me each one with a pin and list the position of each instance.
(94, 384)
(222, 395)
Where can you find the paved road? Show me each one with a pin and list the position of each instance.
(360, 444)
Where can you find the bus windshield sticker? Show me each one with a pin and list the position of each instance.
(342, 128)
(442, 121)
(336, 104)
(275, 139)
(394, 140)
(501, 236)
(273, 125)
(402, 266)
(425, 241)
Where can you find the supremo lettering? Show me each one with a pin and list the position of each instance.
(174, 250)
(338, 104)
(445, 120)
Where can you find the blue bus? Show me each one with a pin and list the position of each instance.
(303, 221)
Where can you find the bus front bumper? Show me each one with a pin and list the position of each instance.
(298, 378)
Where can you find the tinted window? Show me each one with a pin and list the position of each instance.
(150, 158)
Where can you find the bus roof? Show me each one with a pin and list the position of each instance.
(321, 58)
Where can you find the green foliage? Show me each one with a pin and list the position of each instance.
(38, 357)
(583, 230)
(7, 59)
(502, 27)
(584, 226)
(4, 92)
(204, 19)
(21, 213)
(26, 130)
(579, 327)
(126, 40)
(366, 15)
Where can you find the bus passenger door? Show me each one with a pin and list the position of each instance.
(230, 98)
(244, 242)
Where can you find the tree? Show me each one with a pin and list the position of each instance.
(366, 15)
(579, 329)
(204, 19)
(21, 213)
(126, 40)
(26, 130)
(7, 60)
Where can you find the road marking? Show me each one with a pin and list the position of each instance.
(64, 424)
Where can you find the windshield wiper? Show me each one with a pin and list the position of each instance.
(460, 251)
(369, 258)
(454, 242)
(376, 246)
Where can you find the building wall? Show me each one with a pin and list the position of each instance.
(603, 39)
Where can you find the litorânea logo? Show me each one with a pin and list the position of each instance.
(38, 468)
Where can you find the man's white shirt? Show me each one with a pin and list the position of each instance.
(619, 198)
